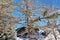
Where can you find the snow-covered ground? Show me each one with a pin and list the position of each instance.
(17, 38)
(53, 35)
(49, 37)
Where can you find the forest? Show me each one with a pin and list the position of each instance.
(29, 20)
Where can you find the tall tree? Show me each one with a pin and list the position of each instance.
(7, 29)
(28, 9)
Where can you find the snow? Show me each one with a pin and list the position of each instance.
(50, 36)
(17, 38)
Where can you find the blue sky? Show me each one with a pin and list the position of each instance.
(42, 2)
(37, 3)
